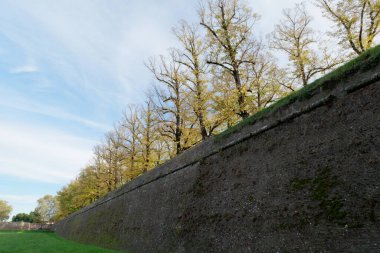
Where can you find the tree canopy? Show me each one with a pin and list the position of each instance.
(46, 208)
(356, 22)
(32, 217)
(5, 210)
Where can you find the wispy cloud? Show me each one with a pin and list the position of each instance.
(98, 46)
(21, 199)
(42, 154)
(16, 101)
(27, 68)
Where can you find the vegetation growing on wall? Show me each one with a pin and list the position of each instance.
(365, 61)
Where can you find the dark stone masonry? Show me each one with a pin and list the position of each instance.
(306, 178)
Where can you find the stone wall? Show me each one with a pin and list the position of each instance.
(304, 179)
(24, 226)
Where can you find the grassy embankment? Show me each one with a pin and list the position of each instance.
(365, 61)
(42, 242)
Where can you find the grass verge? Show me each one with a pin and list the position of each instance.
(42, 242)
(365, 61)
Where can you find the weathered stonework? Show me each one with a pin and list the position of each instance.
(24, 226)
(306, 178)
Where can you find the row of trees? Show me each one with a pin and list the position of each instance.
(32, 217)
(46, 211)
(221, 73)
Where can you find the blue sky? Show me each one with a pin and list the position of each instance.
(67, 70)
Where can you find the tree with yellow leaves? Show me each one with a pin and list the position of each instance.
(229, 28)
(192, 56)
(295, 37)
(5, 210)
(356, 22)
(176, 122)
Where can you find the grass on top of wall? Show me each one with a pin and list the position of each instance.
(39, 242)
(364, 62)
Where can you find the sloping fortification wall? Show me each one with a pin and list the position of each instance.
(304, 179)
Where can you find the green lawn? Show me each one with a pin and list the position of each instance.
(42, 242)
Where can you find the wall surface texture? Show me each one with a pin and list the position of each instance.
(306, 178)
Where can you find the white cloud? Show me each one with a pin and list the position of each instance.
(42, 154)
(16, 101)
(20, 199)
(27, 68)
(98, 46)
